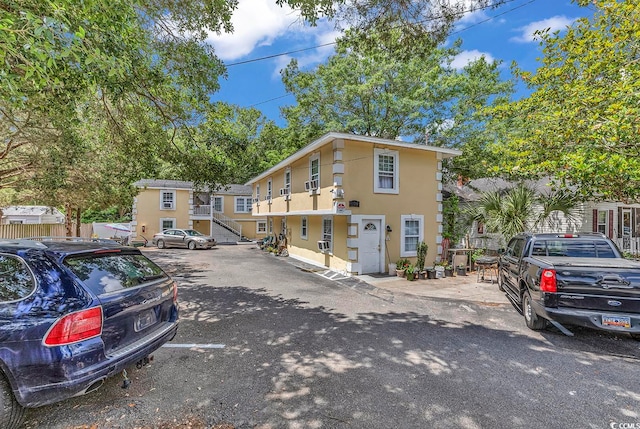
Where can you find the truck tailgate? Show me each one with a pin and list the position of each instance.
(597, 283)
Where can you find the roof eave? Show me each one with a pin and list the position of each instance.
(311, 147)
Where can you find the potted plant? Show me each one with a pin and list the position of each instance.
(421, 255)
(448, 270)
(401, 266)
(430, 273)
(461, 270)
(410, 272)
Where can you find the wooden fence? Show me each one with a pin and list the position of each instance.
(42, 230)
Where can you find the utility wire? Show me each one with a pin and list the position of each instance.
(333, 43)
(281, 54)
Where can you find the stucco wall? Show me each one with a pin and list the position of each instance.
(148, 212)
(418, 189)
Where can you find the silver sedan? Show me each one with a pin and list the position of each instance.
(188, 238)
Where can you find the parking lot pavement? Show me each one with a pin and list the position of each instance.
(463, 288)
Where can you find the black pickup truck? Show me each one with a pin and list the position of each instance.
(577, 279)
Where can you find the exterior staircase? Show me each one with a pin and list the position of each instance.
(225, 230)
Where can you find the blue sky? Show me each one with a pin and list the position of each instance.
(263, 29)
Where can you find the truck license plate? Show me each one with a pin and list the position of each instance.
(619, 321)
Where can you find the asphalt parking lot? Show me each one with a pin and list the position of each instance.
(266, 342)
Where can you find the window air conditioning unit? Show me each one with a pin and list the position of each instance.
(284, 191)
(255, 200)
(338, 193)
(267, 197)
(311, 185)
(323, 245)
(167, 205)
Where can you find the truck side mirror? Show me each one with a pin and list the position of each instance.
(500, 251)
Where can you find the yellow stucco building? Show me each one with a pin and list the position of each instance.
(224, 214)
(354, 203)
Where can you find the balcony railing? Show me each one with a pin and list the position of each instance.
(202, 210)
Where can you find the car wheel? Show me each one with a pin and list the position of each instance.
(192, 245)
(500, 281)
(160, 244)
(12, 412)
(531, 318)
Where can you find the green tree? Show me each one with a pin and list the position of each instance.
(373, 92)
(580, 124)
(90, 88)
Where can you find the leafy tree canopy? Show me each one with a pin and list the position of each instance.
(580, 124)
(97, 94)
(370, 91)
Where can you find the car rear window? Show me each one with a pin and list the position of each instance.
(16, 280)
(106, 273)
(573, 248)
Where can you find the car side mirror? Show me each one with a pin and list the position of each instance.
(501, 251)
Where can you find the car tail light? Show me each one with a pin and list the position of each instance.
(75, 327)
(548, 281)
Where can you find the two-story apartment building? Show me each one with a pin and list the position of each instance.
(224, 214)
(355, 203)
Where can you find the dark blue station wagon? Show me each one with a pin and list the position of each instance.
(73, 314)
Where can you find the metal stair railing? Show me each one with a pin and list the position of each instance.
(228, 223)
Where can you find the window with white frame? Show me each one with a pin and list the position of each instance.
(603, 221)
(327, 231)
(257, 192)
(269, 190)
(303, 227)
(385, 168)
(167, 200)
(167, 223)
(287, 180)
(243, 205)
(411, 234)
(314, 171)
(261, 227)
(217, 204)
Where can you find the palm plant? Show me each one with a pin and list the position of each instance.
(508, 212)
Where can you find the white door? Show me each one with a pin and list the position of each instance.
(370, 249)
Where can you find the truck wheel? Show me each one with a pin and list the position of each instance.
(532, 320)
(12, 412)
(160, 244)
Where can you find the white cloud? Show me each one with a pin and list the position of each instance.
(255, 23)
(262, 23)
(558, 22)
(465, 57)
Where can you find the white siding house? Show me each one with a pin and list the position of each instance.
(617, 220)
(31, 215)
